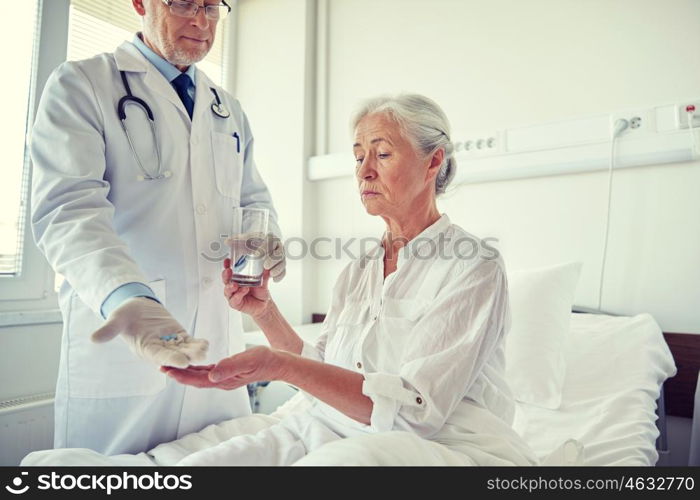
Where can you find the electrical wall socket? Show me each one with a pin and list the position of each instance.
(637, 121)
(682, 114)
(486, 144)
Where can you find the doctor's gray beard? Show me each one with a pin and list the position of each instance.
(179, 57)
(171, 52)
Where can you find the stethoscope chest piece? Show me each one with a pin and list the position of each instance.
(219, 110)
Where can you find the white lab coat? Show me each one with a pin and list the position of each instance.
(100, 227)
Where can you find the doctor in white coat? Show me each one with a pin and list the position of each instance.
(133, 214)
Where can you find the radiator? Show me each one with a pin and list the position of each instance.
(26, 425)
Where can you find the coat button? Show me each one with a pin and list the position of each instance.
(359, 365)
(201, 209)
(419, 401)
(206, 281)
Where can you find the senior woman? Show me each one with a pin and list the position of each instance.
(413, 340)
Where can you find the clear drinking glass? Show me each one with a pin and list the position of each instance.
(248, 234)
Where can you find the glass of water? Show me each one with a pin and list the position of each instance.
(248, 235)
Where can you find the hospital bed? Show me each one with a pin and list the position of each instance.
(612, 396)
(615, 370)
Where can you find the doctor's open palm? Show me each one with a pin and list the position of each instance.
(249, 300)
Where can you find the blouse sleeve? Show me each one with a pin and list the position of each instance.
(445, 353)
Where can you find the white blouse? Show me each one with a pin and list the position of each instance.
(426, 338)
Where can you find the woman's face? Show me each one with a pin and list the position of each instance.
(391, 176)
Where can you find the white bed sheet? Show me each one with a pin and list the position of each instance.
(615, 369)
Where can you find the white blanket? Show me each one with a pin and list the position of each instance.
(164, 454)
(488, 441)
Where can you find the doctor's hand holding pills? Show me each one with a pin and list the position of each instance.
(152, 334)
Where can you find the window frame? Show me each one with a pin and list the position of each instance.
(33, 287)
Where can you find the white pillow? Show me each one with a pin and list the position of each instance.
(540, 304)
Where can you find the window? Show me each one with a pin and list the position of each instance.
(101, 25)
(20, 35)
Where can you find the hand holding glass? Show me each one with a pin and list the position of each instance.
(248, 236)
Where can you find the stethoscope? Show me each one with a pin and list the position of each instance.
(216, 106)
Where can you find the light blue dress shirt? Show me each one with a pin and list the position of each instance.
(170, 72)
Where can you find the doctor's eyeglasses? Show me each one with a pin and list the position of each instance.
(184, 8)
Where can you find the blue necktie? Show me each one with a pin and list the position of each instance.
(181, 84)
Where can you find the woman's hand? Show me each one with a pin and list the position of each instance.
(250, 300)
(194, 375)
(254, 365)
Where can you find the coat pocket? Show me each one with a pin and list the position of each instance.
(228, 164)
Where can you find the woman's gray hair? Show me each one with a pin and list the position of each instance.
(422, 122)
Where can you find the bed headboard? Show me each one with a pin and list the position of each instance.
(680, 390)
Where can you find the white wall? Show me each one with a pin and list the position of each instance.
(505, 63)
(30, 359)
(271, 82)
